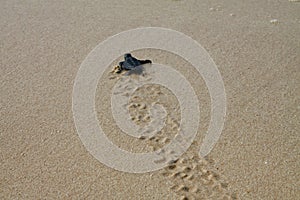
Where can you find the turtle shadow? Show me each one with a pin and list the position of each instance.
(139, 70)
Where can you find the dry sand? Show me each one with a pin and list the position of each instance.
(256, 47)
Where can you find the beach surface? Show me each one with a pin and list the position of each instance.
(254, 44)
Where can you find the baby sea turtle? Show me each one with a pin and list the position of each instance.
(130, 63)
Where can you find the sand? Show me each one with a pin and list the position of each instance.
(256, 47)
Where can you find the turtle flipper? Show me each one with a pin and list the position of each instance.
(121, 64)
(145, 62)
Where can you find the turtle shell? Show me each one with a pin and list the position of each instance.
(130, 62)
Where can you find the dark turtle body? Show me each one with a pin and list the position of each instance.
(130, 62)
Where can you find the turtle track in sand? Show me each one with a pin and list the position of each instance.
(190, 177)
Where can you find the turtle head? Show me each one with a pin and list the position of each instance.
(127, 55)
